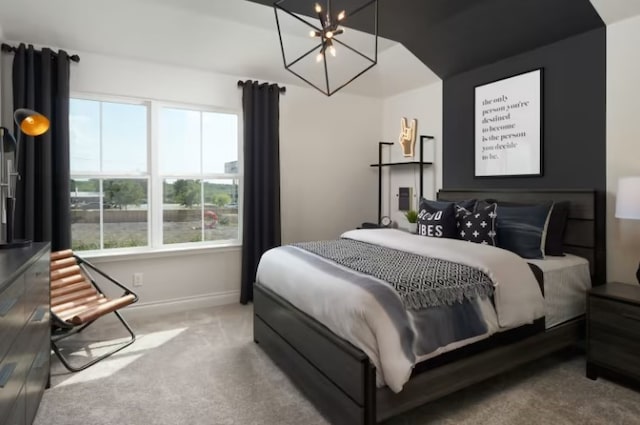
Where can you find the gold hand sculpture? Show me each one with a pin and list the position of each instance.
(408, 136)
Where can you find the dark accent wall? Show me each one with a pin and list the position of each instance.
(574, 117)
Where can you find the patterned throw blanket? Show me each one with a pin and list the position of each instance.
(420, 281)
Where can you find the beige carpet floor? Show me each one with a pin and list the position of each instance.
(202, 367)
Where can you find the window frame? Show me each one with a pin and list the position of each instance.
(155, 179)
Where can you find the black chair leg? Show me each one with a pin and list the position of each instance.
(72, 368)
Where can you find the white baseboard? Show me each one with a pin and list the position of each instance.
(155, 308)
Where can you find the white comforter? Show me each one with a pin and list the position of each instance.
(355, 315)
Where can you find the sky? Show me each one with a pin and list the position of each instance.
(119, 145)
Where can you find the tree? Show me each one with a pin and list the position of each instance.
(121, 193)
(221, 199)
(186, 192)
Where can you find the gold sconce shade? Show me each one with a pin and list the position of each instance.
(31, 122)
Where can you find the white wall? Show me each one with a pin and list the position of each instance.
(425, 105)
(623, 143)
(327, 186)
(326, 148)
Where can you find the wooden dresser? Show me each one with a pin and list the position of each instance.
(24, 332)
(613, 330)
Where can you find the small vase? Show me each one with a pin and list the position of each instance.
(412, 227)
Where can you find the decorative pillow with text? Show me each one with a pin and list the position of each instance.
(436, 222)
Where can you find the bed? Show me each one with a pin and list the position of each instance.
(340, 379)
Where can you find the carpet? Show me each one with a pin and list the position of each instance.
(202, 367)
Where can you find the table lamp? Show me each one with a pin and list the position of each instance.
(30, 123)
(628, 201)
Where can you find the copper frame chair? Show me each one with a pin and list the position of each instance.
(77, 302)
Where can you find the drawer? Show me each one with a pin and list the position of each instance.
(615, 316)
(611, 353)
(38, 273)
(37, 304)
(37, 379)
(13, 371)
(37, 329)
(17, 415)
(12, 314)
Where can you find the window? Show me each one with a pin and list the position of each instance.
(199, 170)
(149, 175)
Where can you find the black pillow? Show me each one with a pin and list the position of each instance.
(468, 204)
(478, 226)
(554, 243)
(522, 229)
(437, 222)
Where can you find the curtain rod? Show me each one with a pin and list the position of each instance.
(242, 83)
(11, 49)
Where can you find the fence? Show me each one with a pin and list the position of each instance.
(140, 216)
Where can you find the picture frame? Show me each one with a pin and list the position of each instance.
(508, 126)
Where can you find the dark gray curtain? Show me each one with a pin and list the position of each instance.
(41, 83)
(261, 225)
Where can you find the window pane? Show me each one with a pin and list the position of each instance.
(85, 214)
(125, 203)
(84, 127)
(182, 211)
(179, 142)
(220, 143)
(124, 138)
(221, 210)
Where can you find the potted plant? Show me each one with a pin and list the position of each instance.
(412, 218)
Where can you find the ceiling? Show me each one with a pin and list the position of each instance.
(239, 37)
(616, 10)
(226, 36)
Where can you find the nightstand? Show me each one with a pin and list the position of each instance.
(613, 330)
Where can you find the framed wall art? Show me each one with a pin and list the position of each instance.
(508, 126)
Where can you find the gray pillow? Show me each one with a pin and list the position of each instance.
(521, 229)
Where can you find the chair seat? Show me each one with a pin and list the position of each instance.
(92, 313)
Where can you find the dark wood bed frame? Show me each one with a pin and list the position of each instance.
(339, 379)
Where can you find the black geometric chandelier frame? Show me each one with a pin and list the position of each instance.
(327, 34)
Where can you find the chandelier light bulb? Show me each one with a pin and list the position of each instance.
(312, 33)
(329, 34)
(318, 8)
(342, 15)
(319, 57)
(332, 50)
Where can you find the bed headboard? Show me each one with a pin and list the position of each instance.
(586, 227)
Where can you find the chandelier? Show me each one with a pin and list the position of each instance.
(327, 56)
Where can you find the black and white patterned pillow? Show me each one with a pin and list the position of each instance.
(478, 226)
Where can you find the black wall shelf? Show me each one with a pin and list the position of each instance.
(380, 164)
(391, 164)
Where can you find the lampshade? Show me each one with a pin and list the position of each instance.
(31, 122)
(628, 198)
